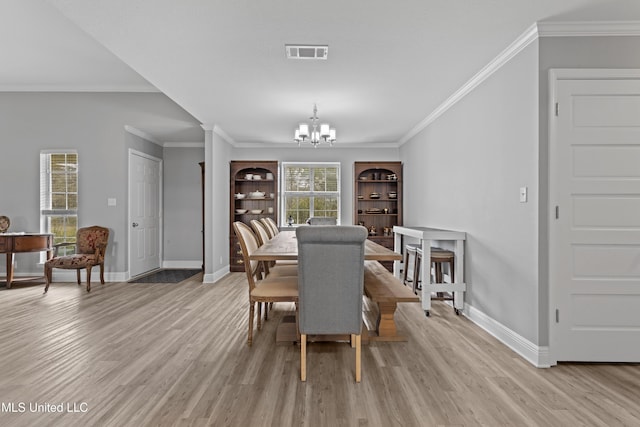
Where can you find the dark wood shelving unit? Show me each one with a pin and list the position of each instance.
(375, 207)
(268, 184)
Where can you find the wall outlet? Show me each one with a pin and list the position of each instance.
(523, 194)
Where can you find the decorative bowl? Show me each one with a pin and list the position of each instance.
(255, 211)
(257, 194)
(240, 196)
(241, 211)
(374, 195)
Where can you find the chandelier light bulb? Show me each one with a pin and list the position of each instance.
(314, 133)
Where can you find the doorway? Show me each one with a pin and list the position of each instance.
(594, 240)
(145, 213)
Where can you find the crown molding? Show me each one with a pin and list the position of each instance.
(524, 40)
(589, 28)
(178, 144)
(537, 30)
(306, 146)
(79, 88)
(222, 134)
(142, 134)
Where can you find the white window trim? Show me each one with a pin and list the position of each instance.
(283, 192)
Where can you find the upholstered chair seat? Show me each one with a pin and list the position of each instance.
(91, 245)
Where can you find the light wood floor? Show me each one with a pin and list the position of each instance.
(176, 354)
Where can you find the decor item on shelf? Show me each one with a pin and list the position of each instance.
(240, 196)
(257, 194)
(374, 195)
(256, 177)
(4, 223)
(316, 136)
(241, 211)
(248, 176)
(392, 177)
(255, 211)
(393, 195)
(269, 176)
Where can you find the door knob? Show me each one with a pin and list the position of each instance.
(134, 225)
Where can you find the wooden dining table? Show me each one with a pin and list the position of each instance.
(284, 247)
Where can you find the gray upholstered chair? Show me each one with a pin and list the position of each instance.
(322, 220)
(267, 290)
(330, 285)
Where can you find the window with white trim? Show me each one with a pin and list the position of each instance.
(310, 190)
(59, 195)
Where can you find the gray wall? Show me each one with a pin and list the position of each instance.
(464, 171)
(94, 125)
(182, 206)
(569, 52)
(346, 157)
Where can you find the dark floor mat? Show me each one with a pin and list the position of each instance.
(167, 276)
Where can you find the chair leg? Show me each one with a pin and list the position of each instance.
(78, 276)
(303, 357)
(451, 271)
(251, 313)
(47, 278)
(88, 278)
(102, 273)
(259, 315)
(416, 273)
(358, 358)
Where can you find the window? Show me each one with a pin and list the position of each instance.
(310, 189)
(59, 196)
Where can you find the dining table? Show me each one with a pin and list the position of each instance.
(284, 247)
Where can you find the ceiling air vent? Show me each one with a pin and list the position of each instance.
(295, 51)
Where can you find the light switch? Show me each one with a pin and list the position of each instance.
(111, 201)
(523, 194)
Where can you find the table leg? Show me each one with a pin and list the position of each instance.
(9, 269)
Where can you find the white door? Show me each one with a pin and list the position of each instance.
(595, 229)
(144, 213)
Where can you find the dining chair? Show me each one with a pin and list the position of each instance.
(272, 230)
(330, 285)
(90, 247)
(261, 290)
(272, 227)
(273, 268)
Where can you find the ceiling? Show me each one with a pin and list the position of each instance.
(390, 63)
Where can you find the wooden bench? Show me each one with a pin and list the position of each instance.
(384, 289)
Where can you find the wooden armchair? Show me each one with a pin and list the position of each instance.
(91, 245)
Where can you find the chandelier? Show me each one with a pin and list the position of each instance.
(318, 133)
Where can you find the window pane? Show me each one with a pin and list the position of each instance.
(315, 181)
(72, 201)
(58, 201)
(59, 191)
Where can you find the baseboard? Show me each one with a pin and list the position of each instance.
(182, 264)
(62, 275)
(216, 275)
(538, 356)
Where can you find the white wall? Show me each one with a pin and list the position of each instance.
(464, 171)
